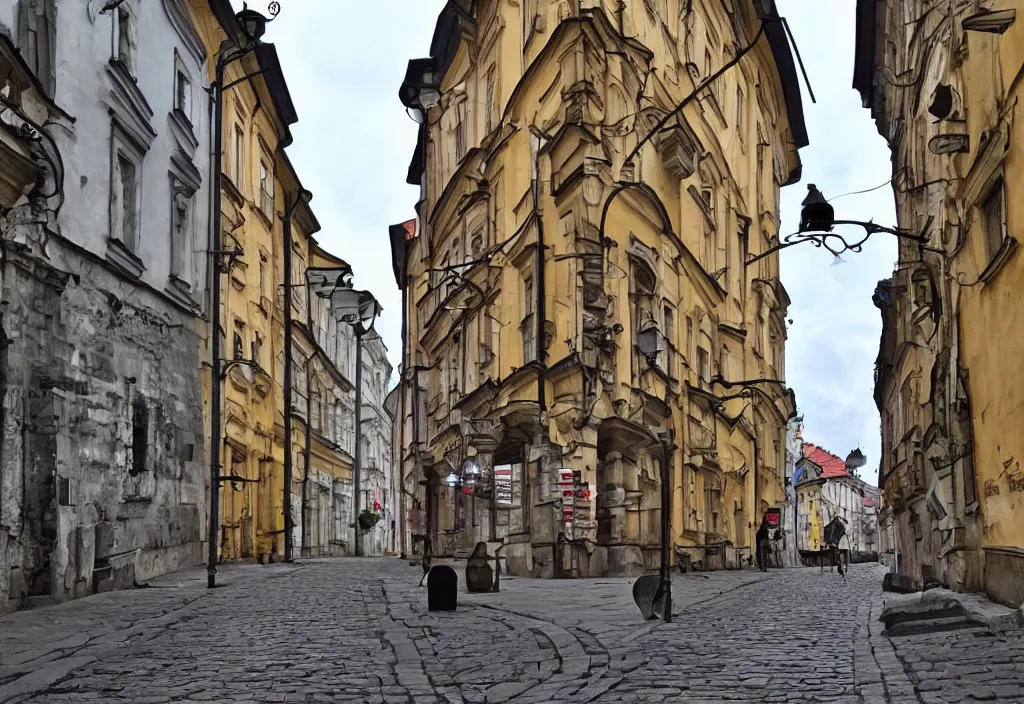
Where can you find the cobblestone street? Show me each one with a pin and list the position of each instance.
(358, 630)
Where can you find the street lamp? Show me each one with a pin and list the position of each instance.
(360, 310)
(230, 51)
(817, 220)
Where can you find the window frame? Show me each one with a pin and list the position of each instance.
(996, 190)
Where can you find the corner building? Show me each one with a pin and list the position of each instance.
(947, 380)
(566, 312)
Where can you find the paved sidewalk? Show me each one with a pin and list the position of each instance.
(357, 630)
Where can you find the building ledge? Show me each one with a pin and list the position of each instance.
(124, 259)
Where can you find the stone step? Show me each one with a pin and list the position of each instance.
(922, 626)
(921, 611)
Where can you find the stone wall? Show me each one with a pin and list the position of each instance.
(101, 479)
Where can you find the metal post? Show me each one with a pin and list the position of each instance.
(666, 529)
(287, 507)
(215, 245)
(356, 478)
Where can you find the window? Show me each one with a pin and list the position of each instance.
(239, 154)
(529, 324)
(266, 190)
(741, 113)
(490, 105)
(645, 283)
(263, 276)
(993, 219)
(314, 411)
(529, 17)
(670, 325)
(759, 332)
(689, 337)
(703, 367)
(181, 231)
(125, 38)
(460, 131)
(257, 350)
(128, 191)
(140, 436)
(183, 94)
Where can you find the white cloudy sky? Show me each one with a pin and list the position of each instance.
(344, 61)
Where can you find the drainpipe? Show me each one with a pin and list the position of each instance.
(356, 469)
(215, 246)
(402, 522)
(305, 457)
(288, 364)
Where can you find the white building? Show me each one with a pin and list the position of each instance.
(376, 460)
(103, 449)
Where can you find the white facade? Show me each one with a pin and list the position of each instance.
(376, 461)
(133, 79)
(103, 443)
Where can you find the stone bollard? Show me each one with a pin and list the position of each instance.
(479, 575)
(442, 588)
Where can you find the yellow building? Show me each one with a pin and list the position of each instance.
(259, 185)
(948, 383)
(567, 309)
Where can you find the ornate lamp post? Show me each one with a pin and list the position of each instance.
(817, 220)
(360, 310)
(253, 25)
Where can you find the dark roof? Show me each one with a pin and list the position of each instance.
(266, 57)
(779, 44)
(443, 46)
(864, 52)
(400, 235)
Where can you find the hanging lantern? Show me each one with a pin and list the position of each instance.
(471, 472)
(452, 480)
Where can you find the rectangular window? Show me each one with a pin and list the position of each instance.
(129, 191)
(741, 113)
(529, 17)
(490, 100)
(993, 219)
(703, 367)
(239, 154)
(460, 131)
(529, 324)
(140, 436)
(263, 276)
(183, 95)
(266, 190)
(689, 338)
(670, 325)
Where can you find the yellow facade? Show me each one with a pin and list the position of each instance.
(949, 385)
(257, 185)
(529, 213)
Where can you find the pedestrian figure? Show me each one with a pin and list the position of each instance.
(762, 545)
(835, 531)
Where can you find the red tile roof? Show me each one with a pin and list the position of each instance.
(831, 466)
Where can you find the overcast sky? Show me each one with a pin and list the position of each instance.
(345, 60)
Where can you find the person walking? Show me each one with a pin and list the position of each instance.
(762, 544)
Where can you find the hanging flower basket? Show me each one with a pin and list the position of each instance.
(368, 519)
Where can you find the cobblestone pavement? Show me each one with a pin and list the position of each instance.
(358, 631)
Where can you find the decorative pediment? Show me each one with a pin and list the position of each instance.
(128, 106)
(178, 14)
(183, 133)
(185, 171)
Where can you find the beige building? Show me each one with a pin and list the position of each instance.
(942, 87)
(567, 309)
